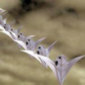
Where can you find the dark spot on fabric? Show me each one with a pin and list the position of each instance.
(56, 63)
(28, 39)
(38, 52)
(20, 33)
(10, 32)
(26, 43)
(59, 57)
(18, 36)
(5, 26)
(39, 47)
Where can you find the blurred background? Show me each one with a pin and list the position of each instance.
(61, 20)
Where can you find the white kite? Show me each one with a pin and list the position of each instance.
(62, 67)
(41, 50)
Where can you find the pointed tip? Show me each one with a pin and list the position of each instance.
(61, 82)
(80, 57)
(2, 10)
(40, 40)
(31, 36)
(55, 42)
(51, 46)
(19, 29)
